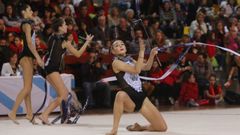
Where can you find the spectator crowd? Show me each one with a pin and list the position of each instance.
(161, 23)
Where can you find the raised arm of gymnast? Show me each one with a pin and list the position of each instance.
(75, 52)
(139, 64)
(147, 66)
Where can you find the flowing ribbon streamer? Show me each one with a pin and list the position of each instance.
(223, 48)
(174, 66)
(168, 72)
(198, 43)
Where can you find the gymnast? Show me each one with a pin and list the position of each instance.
(26, 61)
(132, 96)
(57, 46)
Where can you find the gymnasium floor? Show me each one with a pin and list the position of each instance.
(215, 121)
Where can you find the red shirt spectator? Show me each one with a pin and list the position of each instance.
(16, 46)
(211, 50)
(172, 78)
(214, 91)
(40, 46)
(155, 72)
(189, 90)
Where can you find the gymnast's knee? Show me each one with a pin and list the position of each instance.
(27, 89)
(120, 96)
(161, 128)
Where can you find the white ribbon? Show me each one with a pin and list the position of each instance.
(169, 71)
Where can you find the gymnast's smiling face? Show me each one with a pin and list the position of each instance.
(118, 48)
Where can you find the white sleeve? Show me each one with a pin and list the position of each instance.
(4, 70)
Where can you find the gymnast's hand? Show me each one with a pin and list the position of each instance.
(141, 45)
(154, 51)
(40, 62)
(89, 38)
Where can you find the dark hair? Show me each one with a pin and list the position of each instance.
(203, 54)
(213, 75)
(22, 7)
(11, 54)
(69, 21)
(186, 76)
(56, 24)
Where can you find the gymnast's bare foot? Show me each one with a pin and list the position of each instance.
(112, 133)
(13, 118)
(29, 117)
(135, 127)
(44, 120)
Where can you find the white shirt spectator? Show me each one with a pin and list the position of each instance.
(8, 71)
(76, 2)
(70, 6)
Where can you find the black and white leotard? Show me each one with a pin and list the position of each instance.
(131, 84)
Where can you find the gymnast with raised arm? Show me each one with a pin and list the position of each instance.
(26, 61)
(57, 46)
(132, 96)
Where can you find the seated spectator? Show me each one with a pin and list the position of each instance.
(211, 50)
(68, 3)
(91, 71)
(238, 12)
(10, 38)
(185, 66)
(123, 30)
(220, 36)
(183, 40)
(68, 15)
(83, 32)
(214, 91)
(71, 39)
(38, 23)
(230, 38)
(198, 37)
(16, 46)
(40, 46)
(10, 19)
(70, 28)
(202, 70)
(83, 15)
(113, 17)
(101, 32)
(159, 39)
(129, 13)
(199, 23)
(154, 28)
(169, 86)
(134, 45)
(11, 68)
(4, 51)
(106, 49)
(47, 31)
(2, 28)
(181, 20)
(189, 91)
(155, 72)
(168, 19)
(47, 18)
